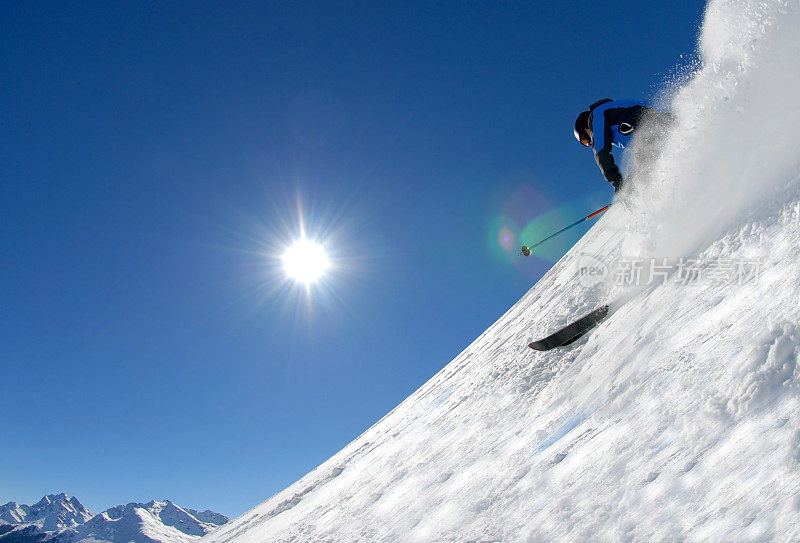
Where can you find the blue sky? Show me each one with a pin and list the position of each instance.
(156, 159)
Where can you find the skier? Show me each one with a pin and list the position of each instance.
(615, 122)
(612, 123)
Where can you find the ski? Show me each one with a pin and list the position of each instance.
(571, 332)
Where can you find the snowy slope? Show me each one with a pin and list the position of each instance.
(676, 419)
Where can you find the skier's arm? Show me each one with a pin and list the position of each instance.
(602, 145)
(606, 162)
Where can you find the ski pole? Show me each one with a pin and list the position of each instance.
(526, 249)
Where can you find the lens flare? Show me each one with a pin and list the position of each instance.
(305, 261)
(507, 239)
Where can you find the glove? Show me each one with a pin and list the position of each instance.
(616, 182)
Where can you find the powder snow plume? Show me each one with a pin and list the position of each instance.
(733, 152)
(676, 418)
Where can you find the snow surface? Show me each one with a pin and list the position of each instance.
(676, 419)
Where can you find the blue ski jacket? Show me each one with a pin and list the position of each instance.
(613, 124)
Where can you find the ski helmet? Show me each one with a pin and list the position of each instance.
(582, 128)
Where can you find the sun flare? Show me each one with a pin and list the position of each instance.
(305, 261)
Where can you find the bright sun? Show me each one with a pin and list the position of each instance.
(305, 261)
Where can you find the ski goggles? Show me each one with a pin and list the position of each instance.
(585, 138)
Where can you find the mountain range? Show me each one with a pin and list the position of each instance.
(59, 518)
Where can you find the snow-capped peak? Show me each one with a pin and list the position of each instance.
(208, 517)
(151, 522)
(154, 515)
(54, 512)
